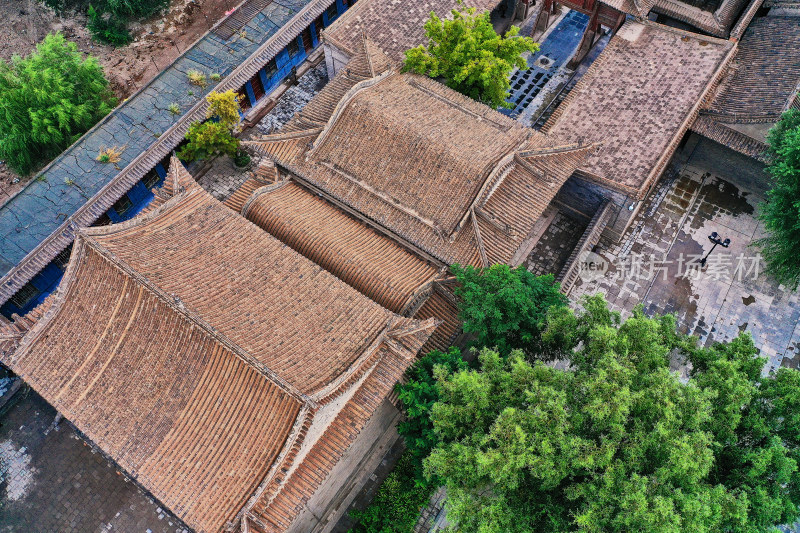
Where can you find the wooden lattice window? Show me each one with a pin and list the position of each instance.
(24, 296)
(62, 258)
(151, 179)
(123, 205)
(293, 48)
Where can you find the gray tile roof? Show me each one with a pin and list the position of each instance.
(67, 183)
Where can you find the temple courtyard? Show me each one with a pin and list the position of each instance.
(658, 262)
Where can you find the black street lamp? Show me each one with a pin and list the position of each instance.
(715, 238)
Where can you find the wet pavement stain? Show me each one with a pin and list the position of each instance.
(747, 300)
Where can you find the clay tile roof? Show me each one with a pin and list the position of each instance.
(393, 26)
(765, 73)
(718, 22)
(419, 160)
(408, 126)
(197, 352)
(357, 254)
(638, 99)
(639, 8)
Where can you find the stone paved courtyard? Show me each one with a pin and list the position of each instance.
(657, 262)
(51, 482)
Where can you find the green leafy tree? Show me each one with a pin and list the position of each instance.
(215, 136)
(417, 395)
(618, 442)
(781, 212)
(506, 308)
(224, 107)
(471, 57)
(47, 101)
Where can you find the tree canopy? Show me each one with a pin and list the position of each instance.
(47, 101)
(781, 212)
(618, 442)
(417, 395)
(506, 308)
(471, 57)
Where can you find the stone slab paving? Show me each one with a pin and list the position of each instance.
(555, 245)
(52, 482)
(657, 262)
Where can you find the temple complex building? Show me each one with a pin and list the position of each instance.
(386, 179)
(762, 82)
(638, 101)
(222, 371)
(257, 50)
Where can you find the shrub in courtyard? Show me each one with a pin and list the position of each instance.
(47, 101)
(618, 442)
(471, 57)
(216, 135)
(506, 308)
(781, 212)
(397, 504)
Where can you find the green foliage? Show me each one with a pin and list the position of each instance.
(108, 19)
(208, 139)
(47, 101)
(418, 395)
(471, 57)
(174, 108)
(215, 136)
(397, 505)
(781, 212)
(197, 78)
(617, 442)
(506, 307)
(214, 76)
(224, 107)
(107, 28)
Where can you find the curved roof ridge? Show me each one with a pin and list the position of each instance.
(342, 105)
(260, 191)
(558, 149)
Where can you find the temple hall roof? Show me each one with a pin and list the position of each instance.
(356, 253)
(762, 82)
(639, 98)
(74, 190)
(221, 370)
(765, 73)
(424, 162)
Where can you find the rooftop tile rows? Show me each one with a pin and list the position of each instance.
(197, 352)
(637, 99)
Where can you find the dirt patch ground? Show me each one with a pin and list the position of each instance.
(24, 23)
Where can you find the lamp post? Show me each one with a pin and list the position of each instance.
(716, 239)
